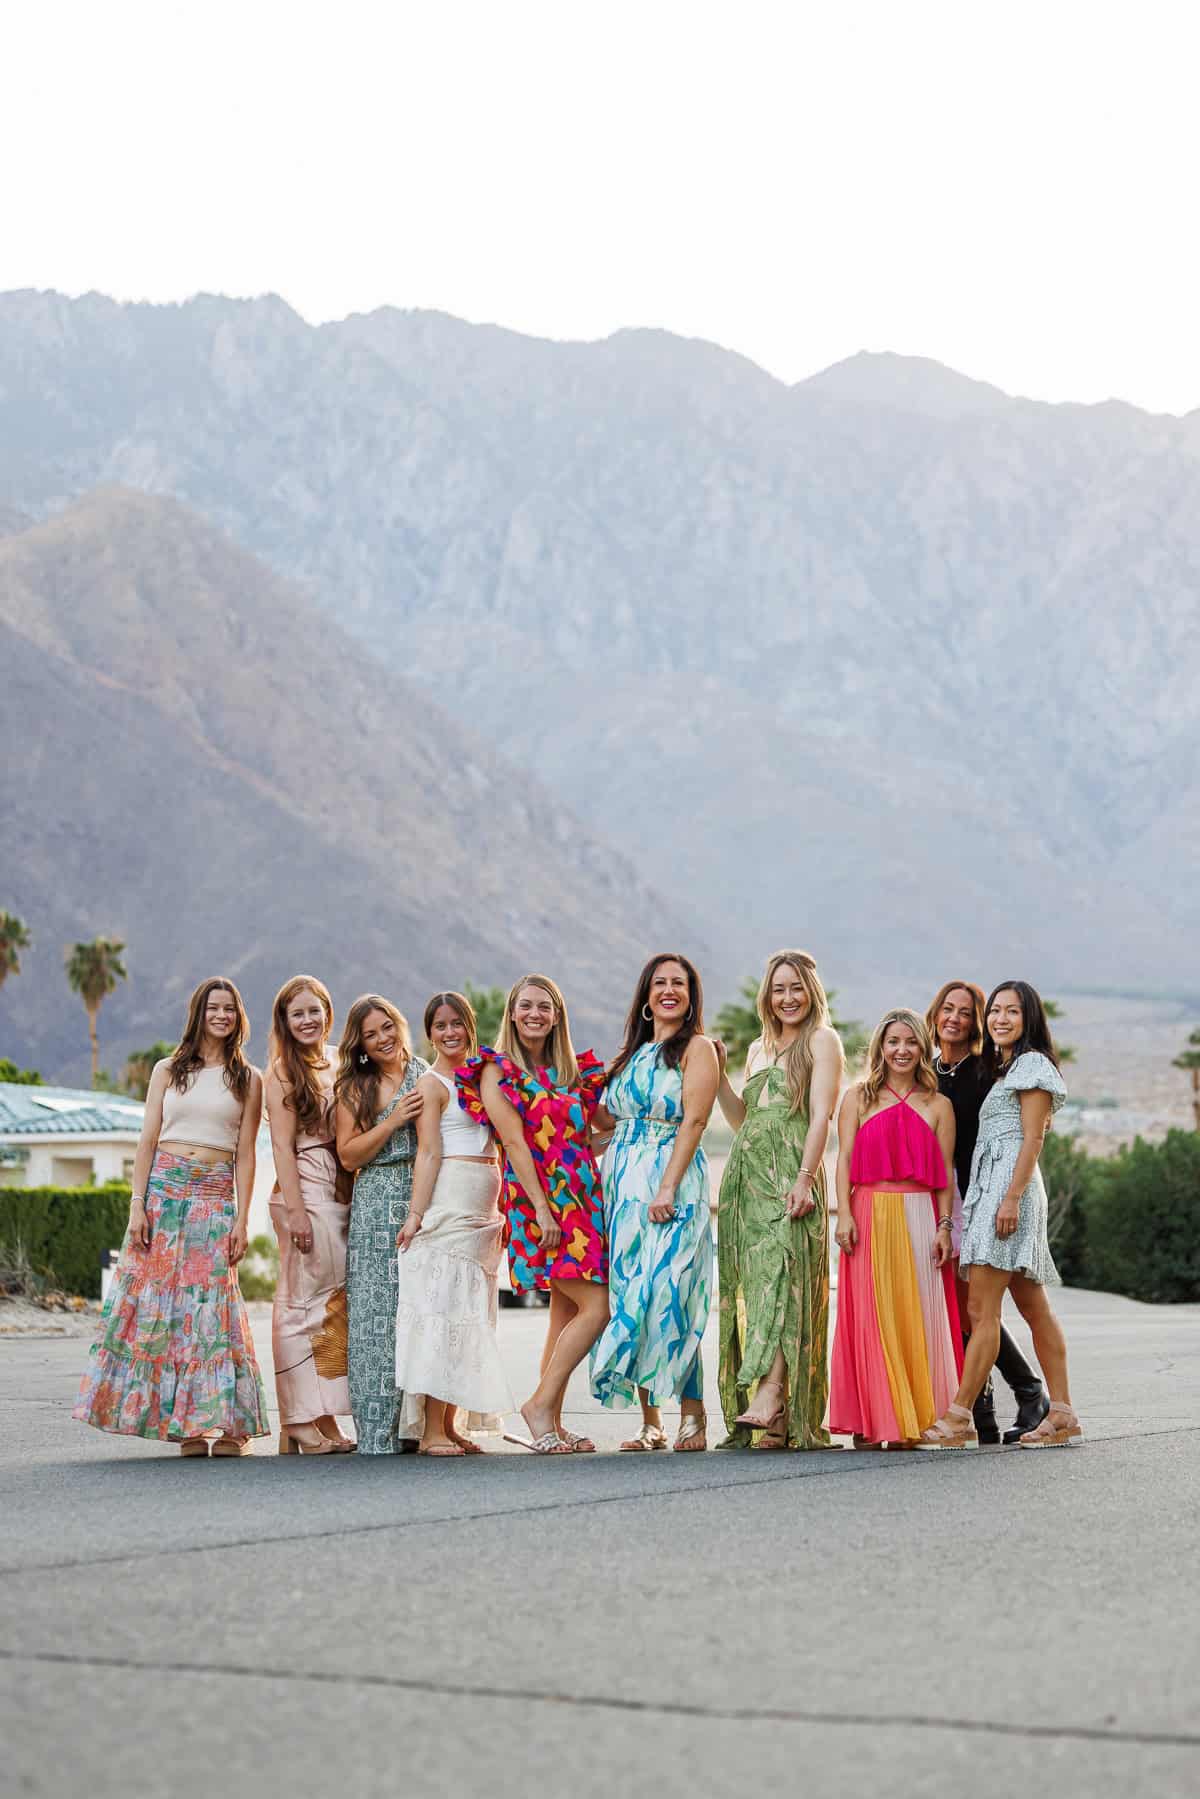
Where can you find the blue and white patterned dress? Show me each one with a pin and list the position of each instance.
(997, 1147)
(660, 1275)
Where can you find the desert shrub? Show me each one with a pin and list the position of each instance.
(1143, 1222)
(62, 1231)
(258, 1271)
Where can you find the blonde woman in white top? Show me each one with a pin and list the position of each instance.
(174, 1358)
(447, 1356)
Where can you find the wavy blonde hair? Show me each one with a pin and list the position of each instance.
(798, 1058)
(875, 1079)
(356, 1084)
(559, 1053)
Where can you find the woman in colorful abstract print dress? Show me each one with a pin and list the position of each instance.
(539, 1098)
(657, 1102)
(377, 1104)
(174, 1358)
(897, 1349)
(1005, 1244)
(772, 1218)
(308, 1317)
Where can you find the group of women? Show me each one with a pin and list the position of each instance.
(399, 1182)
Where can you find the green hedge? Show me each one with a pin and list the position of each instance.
(1128, 1223)
(64, 1229)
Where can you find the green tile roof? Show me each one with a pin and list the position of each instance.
(64, 1112)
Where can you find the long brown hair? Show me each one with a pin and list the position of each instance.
(559, 1053)
(356, 1085)
(875, 1078)
(939, 1000)
(798, 1057)
(188, 1059)
(461, 1006)
(639, 1030)
(1035, 1029)
(299, 1068)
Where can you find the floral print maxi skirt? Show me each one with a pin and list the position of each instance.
(174, 1357)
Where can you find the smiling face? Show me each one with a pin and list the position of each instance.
(789, 997)
(306, 1019)
(901, 1050)
(380, 1038)
(534, 1016)
(449, 1035)
(220, 1015)
(955, 1022)
(670, 994)
(1006, 1019)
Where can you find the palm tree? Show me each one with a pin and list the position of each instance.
(14, 937)
(140, 1066)
(1189, 1059)
(1066, 1051)
(93, 970)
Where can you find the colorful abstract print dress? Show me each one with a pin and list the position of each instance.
(774, 1270)
(557, 1123)
(660, 1276)
(174, 1357)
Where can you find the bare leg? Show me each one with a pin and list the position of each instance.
(769, 1397)
(985, 1297)
(435, 1432)
(589, 1316)
(1050, 1346)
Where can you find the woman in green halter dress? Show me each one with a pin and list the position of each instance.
(772, 1222)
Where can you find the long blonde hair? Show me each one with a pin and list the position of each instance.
(875, 1079)
(356, 1084)
(559, 1053)
(798, 1057)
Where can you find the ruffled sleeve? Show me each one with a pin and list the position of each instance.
(591, 1080)
(468, 1077)
(1033, 1069)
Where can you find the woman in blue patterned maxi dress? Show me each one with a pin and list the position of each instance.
(656, 1200)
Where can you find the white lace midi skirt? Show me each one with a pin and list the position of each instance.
(447, 1304)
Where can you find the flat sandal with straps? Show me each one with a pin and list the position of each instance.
(651, 1436)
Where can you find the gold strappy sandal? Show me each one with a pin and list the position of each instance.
(693, 1435)
(651, 1436)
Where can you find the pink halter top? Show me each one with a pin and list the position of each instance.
(898, 1145)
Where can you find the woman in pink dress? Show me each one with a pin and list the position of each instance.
(311, 1214)
(897, 1348)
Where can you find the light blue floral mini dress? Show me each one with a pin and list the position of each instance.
(997, 1147)
(660, 1275)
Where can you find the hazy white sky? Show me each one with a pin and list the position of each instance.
(1010, 188)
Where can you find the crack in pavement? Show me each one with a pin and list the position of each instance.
(678, 1708)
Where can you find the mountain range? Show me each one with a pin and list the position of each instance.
(198, 762)
(886, 662)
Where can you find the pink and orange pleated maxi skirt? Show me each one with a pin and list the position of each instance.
(897, 1348)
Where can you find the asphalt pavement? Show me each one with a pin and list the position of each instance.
(977, 1623)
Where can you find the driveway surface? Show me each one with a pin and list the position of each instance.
(970, 1624)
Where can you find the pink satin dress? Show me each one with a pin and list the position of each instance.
(897, 1348)
(308, 1320)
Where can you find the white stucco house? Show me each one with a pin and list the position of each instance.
(68, 1137)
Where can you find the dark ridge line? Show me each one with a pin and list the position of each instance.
(663, 1708)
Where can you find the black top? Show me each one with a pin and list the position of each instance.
(966, 1086)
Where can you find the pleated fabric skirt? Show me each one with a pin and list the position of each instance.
(897, 1349)
(174, 1357)
(308, 1319)
(446, 1307)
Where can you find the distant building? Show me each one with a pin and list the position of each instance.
(68, 1137)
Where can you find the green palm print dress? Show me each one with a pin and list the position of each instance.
(382, 1191)
(773, 1270)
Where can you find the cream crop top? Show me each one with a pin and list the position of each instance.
(205, 1113)
(460, 1137)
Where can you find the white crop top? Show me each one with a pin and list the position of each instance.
(205, 1113)
(460, 1135)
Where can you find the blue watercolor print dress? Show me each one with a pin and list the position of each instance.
(660, 1275)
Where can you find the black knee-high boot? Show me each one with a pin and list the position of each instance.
(1032, 1403)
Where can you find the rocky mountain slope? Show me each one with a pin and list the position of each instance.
(888, 661)
(198, 761)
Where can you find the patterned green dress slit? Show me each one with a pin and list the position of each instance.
(773, 1270)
